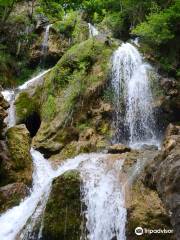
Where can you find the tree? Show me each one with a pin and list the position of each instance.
(6, 7)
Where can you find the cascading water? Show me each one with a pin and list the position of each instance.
(45, 40)
(33, 80)
(102, 191)
(102, 194)
(92, 30)
(103, 197)
(134, 117)
(9, 96)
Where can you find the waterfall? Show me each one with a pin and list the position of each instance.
(13, 221)
(102, 191)
(92, 31)
(45, 40)
(103, 197)
(134, 118)
(45, 46)
(9, 96)
(33, 80)
(102, 194)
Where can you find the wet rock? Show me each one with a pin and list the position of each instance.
(167, 84)
(149, 147)
(62, 218)
(146, 210)
(163, 174)
(18, 140)
(168, 175)
(41, 21)
(11, 195)
(3, 114)
(118, 148)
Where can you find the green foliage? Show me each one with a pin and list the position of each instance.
(79, 71)
(160, 27)
(51, 9)
(6, 7)
(160, 32)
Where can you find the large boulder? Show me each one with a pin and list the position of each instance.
(18, 140)
(73, 105)
(62, 218)
(11, 195)
(118, 148)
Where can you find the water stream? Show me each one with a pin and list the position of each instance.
(100, 188)
(134, 118)
(92, 31)
(45, 40)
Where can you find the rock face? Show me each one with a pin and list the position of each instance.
(11, 195)
(62, 219)
(118, 148)
(170, 101)
(168, 175)
(146, 210)
(74, 115)
(144, 206)
(3, 107)
(4, 154)
(18, 140)
(163, 174)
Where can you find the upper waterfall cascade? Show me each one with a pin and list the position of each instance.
(10, 96)
(134, 118)
(45, 40)
(92, 30)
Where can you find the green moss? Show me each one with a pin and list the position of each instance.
(69, 151)
(83, 66)
(75, 82)
(25, 106)
(18, 140)
(72, 26)
(49, 108)
(62, 219)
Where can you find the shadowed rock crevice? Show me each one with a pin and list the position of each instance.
(33, 123)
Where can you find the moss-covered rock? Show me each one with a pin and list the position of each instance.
(11, 195)
(146, 210)
(62, 218)
(25, 106)
(18, 140)
(72, 96)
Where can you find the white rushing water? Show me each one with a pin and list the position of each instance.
(102, 189)
(45, 39)
(133, 98)
(33, 80)
(106, 215)
(92, 30)
(103, 196)
(9, 96)
(13, 221)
